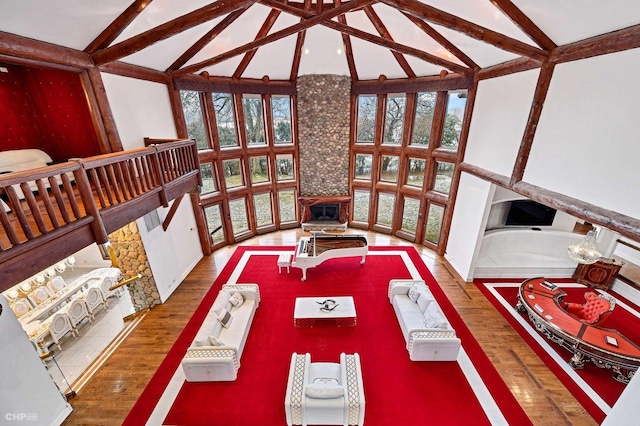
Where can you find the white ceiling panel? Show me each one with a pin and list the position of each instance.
(321, 45)
(405, 32)
(482, 13)
(372, 60)
(274, 60)
(422, 68)
(161, 55)
(224, 68)
(242, 31)
(157, 13)
(483, 54)
(70, 23)
(567, 21)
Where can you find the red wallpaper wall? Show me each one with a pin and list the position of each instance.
(45, 109)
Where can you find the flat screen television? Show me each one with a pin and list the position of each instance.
(529, 213)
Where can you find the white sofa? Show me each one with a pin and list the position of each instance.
(426, 330)
(214, 354)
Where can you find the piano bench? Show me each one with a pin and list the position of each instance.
(284, 261)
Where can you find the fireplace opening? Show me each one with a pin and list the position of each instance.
(321, 212)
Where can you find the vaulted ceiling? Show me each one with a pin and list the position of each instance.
(282, 39)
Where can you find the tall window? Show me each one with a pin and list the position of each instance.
(366, 125)
(193, 116)
(225, 119)
(456, 103)
(253, 119)
(423, 121)
(281, 112)
(252, 186)
(405, 170)
(394, 119)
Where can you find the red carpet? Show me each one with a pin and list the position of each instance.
(397, 390)
(592, 387)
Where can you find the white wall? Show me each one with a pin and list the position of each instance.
(467, 226)
(174, 253)
(91, 257)
(587, 141)
(28, 395)
(499, 118)
(140, 108)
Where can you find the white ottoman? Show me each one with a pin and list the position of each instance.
(284, 261)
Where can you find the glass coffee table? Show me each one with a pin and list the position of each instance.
(338, 309)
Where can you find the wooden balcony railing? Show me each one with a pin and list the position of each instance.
(52, 212)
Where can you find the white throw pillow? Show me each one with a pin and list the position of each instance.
(423, 301)
(225, 318)
(236, 299)
(215, 341)
(434, 318)
(324, 391)
(218, 305)
(413, 293)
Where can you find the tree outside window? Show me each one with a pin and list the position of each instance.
(364, 163)
(281, 114)
(394, 119)
(192, 110)
(425, 106)
(456, 103)
(225, 119)
(366, 122)
(253, 119)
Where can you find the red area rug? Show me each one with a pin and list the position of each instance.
(397, 390)
(593, 387)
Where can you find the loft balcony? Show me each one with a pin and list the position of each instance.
(51, 212)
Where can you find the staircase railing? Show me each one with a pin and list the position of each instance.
(51, 212)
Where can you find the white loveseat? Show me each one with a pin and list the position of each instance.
(214, 354)
(426, 330)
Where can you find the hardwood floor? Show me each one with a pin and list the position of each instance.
(114, 389)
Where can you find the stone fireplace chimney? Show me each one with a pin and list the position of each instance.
(324, 110)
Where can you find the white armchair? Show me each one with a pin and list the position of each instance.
(325, 393)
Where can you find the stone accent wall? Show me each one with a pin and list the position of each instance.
(132, 259)
(324, 109)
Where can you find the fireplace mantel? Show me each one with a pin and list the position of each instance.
(343, 200)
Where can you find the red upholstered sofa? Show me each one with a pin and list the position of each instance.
(595, 310)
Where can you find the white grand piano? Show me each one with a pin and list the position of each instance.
(320, 246)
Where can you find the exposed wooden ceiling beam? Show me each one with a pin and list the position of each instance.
(348, 48)
(116, 27)
(264, 30)
(168, 29)
(384, 33)
(40, 53)
(345, 29)
(436, 16)
(443, 41)
(397, 47)
(207, 38)
(615, 41)
(315, 19)
(297, 53)
(525, 24)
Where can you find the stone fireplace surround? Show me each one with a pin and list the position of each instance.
(342, 202)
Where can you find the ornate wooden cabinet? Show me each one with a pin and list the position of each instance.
(599, 275)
